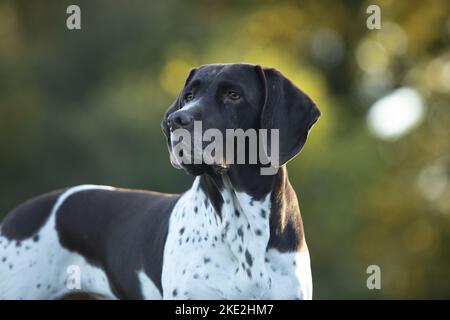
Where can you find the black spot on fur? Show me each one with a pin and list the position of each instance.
(174, 292)
(248, 258)
(249, 273)
(36, 238)
(181, 231)
(237, 213)
(206, 260)
(258, 232)
(263, 213)
(240, 232)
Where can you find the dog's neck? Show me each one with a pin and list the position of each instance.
(261, 211)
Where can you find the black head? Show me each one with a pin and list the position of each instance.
(240, 96)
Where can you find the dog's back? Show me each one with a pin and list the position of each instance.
(45, 241)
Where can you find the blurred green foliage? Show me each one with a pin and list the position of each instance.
(85, 107)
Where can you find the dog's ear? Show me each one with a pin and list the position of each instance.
(175, 105)
(288, 109)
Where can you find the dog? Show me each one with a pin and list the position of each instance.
(235, 234)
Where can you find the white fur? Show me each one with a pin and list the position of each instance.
(274, 275)
(41, 271)
(149, 290)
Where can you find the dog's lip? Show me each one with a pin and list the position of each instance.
(174, 139)
(174, 143)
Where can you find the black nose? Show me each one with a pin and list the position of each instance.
(180, 119)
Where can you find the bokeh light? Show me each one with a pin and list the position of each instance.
(396, 114)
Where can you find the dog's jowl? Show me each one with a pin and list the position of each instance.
(235, 234)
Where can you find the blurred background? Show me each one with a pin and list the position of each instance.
(374, 178)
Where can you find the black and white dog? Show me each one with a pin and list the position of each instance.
(235, 234)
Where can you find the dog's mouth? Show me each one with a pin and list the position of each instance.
(192, 157)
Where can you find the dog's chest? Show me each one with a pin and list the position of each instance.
(198, 260)
(208, 257)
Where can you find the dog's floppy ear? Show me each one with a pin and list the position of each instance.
(288, 109)
(175, 105)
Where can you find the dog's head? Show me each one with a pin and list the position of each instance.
(235, 96)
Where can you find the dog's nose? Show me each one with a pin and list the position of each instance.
(180, 119)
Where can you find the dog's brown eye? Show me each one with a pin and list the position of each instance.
(188, 97)
(233, 95)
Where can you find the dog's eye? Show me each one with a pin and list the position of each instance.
(188, 97)
(233, 95)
